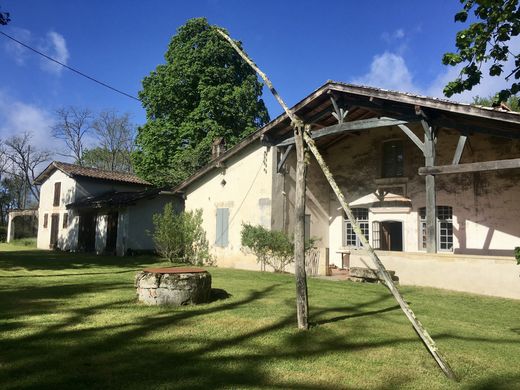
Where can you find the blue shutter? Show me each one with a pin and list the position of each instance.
(222, 227)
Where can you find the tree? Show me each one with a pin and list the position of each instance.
(485, 42)
(4, 18)
(513, 103)
(24, 161)
(72, 126)
(203, 91)
(115, 134)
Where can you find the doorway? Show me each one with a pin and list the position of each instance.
(388, 235)
(55, 226)
(87, 232)
(111, 233)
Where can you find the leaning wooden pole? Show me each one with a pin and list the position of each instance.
(302, 302)
(298, 124)
(421, 331)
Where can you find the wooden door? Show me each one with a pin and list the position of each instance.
(55, 225)
(87, 232)
(111, 233)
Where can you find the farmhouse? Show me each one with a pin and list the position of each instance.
(434, 185)
(88, 209)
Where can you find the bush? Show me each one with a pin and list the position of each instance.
(271, 247)
(3, 233)
(179, 237)
(517, 254)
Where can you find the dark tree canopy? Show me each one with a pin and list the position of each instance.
(486, 41)
(4, 18)
(203, 91)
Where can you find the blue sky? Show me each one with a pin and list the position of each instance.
(299, 44)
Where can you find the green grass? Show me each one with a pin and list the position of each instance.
(19, 244)
(72, 321)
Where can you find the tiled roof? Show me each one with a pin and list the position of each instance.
(93, 173)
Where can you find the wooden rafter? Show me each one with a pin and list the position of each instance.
(471, 167)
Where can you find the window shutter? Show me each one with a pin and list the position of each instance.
(65, 220)
(376, 235)
(57, 193)
(45, 221)
(222, 227)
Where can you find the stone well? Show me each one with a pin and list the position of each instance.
(175, 286)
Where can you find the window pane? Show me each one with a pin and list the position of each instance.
(393, 159)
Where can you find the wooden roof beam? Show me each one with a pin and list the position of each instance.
(471, 167)
(362, 124)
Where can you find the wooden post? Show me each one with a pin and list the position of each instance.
(302, 305)
(423, 334)
(431, 206)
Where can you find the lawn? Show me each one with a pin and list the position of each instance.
(72, 321)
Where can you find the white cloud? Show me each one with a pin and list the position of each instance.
(13, 49)
(390, 37)
(388, 71)
(54, 46)
(17, 117)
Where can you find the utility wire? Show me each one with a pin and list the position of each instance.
(69, 68)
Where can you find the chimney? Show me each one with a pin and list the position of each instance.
(218, 148)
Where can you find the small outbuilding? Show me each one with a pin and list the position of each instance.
(94, 210)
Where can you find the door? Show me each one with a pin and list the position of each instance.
(111, 233)
(388, 235)
(87, 232)
(55, 225)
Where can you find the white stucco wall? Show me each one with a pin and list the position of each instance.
(139, 222)
(488, 275)
(67, 237)
(247, 194)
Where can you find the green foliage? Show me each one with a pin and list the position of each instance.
(4, 18)
(102, 158)
(179, 237)
(3, 233)
(485, 41)
(271, 247)
(203, 91)
(513, 102)
(517, 254)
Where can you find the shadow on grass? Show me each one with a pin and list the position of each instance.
(55, 261)
(105, 339)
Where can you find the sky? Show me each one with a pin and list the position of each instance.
(300, 45)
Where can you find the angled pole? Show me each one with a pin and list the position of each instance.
(302, 131)
(302, 301)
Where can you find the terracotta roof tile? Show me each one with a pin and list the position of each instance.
(94, 173)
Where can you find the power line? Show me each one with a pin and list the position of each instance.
(69, 68)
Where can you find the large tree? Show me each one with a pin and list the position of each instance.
(485, 43)
(72, 127)
(203, 91)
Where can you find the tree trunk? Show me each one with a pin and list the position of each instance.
(302, 306)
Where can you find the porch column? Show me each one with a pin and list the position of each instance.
(431, 209)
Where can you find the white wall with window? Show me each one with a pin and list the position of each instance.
(444, 228)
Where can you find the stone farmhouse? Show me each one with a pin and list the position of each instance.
(434, 184)
(87, 209)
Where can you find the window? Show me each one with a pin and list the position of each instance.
(57, 193)
(65, 220)
(222, 227)
(444, 228)
(45, 220)
(393, 159)
(350, 238)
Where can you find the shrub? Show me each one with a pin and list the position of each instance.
(3, 233)
(271, 247)
(179, 237)
(517, 254)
